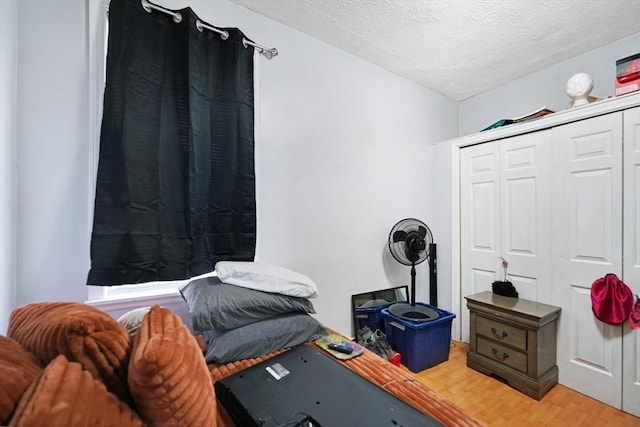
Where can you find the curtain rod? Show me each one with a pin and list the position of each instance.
(267, 52)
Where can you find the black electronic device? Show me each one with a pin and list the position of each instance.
(305, 383)
(342, 348)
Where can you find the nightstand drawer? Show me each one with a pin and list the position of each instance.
(505, 355)
(505, 334)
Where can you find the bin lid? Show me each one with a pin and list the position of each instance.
(414, 313)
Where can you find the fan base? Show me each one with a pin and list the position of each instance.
(413, 313)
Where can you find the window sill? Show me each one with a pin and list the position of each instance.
(133, 300)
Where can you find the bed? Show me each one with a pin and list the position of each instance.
(70, 364)
(243, 322)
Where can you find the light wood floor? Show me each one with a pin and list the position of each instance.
(497, 404)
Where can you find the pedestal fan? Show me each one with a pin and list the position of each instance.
(410, 243)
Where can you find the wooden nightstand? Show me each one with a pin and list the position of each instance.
(515, 339)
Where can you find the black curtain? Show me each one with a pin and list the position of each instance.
(175, 189)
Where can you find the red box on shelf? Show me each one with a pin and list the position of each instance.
(628, 74)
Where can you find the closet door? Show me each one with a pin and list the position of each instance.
(479, 221)
(587, 244)
(525, 192)
(631, 264)
(505, 212)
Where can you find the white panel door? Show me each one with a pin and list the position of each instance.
(631, 264)
(587, 244)
(479, 221)
(525, 191)
(505, 212)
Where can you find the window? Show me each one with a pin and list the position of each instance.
(139, 290)
(98, 35)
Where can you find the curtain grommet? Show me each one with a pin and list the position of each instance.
(224, 35)
(149, 7)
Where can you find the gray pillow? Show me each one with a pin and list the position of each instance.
(216, 305)
(262, 337)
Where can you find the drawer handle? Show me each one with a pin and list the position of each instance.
(501, 336)
(495, 353)
(397, 325)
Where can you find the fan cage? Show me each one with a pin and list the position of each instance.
(397, 249)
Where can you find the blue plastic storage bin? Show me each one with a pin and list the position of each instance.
(421, 344)
(371, 317)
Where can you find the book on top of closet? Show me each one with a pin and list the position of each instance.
(540, 112)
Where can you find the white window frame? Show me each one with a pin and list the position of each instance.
(98, 25)
(98, 30)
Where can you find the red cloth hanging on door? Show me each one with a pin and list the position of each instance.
(611, 299)
(634, 316)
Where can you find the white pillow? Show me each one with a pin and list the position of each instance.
(266, 277)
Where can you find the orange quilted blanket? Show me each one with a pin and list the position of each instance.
(369, 365)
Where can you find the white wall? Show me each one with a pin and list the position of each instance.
(53, 144)
(546, 87)
(344, 151)
(8, 66)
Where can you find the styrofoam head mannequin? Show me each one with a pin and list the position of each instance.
(578, 88)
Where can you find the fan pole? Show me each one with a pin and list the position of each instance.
(413, 284)
(433, 275)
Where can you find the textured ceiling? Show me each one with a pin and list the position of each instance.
(458, 47)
